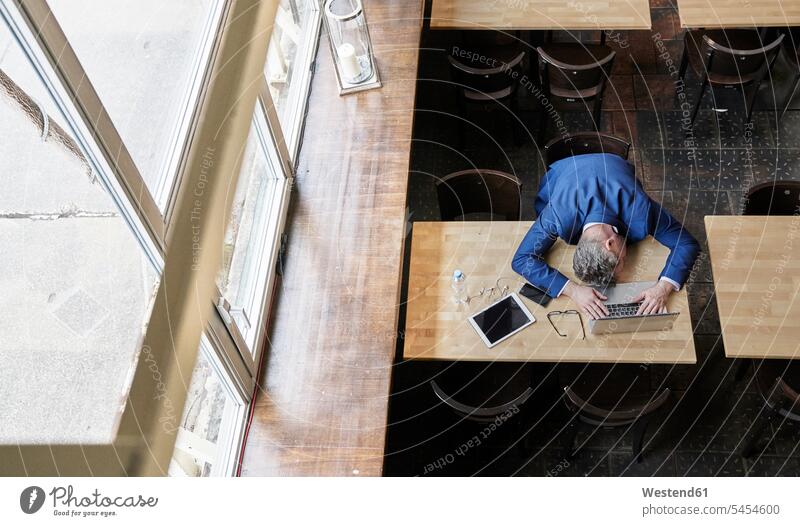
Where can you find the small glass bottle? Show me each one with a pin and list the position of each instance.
(459, 286)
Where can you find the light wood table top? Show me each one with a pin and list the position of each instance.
(438, 329)
(540, 14)
(756, 266)
(738, 13)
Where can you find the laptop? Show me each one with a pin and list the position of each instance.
(622, 311)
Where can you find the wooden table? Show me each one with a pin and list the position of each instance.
(738, 13)
(437, 328)
(756, 266)
(540, 14)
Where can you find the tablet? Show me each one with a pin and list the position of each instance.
(501, 319)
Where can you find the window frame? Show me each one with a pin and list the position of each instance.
(141, 445)
(167, 192)
(233, 425)
(93, 127)
(87, 120)
(270, 139)
(298, 101)
(283, 155)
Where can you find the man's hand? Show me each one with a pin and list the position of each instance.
(588, 299)
(654, 299)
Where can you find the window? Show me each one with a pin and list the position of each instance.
(97, 115)
(251, 245)
(16, 65)
(78, 284)
(251, 238)
(294, 39)
(212, 421)
(145, 59)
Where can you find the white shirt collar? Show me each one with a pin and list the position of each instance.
(587, 225)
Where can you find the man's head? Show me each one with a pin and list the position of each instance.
(599, 256)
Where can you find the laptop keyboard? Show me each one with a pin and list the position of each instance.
(620, 310)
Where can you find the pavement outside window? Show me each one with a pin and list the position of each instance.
(77, 284)
(140, 56)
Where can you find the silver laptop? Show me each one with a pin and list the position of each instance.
(622, 311)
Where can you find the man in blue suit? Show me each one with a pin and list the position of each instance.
(595, 202)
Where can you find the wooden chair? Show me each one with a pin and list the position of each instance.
(729, 58)
(490, 192)
(776, 198)
(611, 397)
(776, 381)
(573, 77)
(582, 143)
(490, 80)
(478, 394)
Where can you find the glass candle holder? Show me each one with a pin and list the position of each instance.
(350, 45)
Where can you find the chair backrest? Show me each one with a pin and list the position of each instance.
(615, 415)
(777, 381)
(773, 198)
(738, 53)
(484, 83)
(786, 399)
(586, 142)
(483, 413)
(479, 192)
(576, 80)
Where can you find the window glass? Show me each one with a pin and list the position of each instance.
(15, 65)
(142, 57)
(251, 234)
(293, 36)
(211, 415)
(79, 288)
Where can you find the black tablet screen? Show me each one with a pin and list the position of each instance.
(501, 319)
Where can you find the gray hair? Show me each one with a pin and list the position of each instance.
(593, 264)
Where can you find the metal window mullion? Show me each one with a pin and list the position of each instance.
(58, 66)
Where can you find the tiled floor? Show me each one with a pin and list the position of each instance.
(710, 413)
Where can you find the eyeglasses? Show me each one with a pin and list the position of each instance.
(562, 313)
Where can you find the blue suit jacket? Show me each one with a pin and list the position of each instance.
(597, 188)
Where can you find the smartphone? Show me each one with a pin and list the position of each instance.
(535, 294)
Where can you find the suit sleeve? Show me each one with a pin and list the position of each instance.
(529, 259)
(683, 247)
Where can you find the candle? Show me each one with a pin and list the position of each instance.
(351, 69)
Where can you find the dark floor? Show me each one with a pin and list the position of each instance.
(710, 413)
